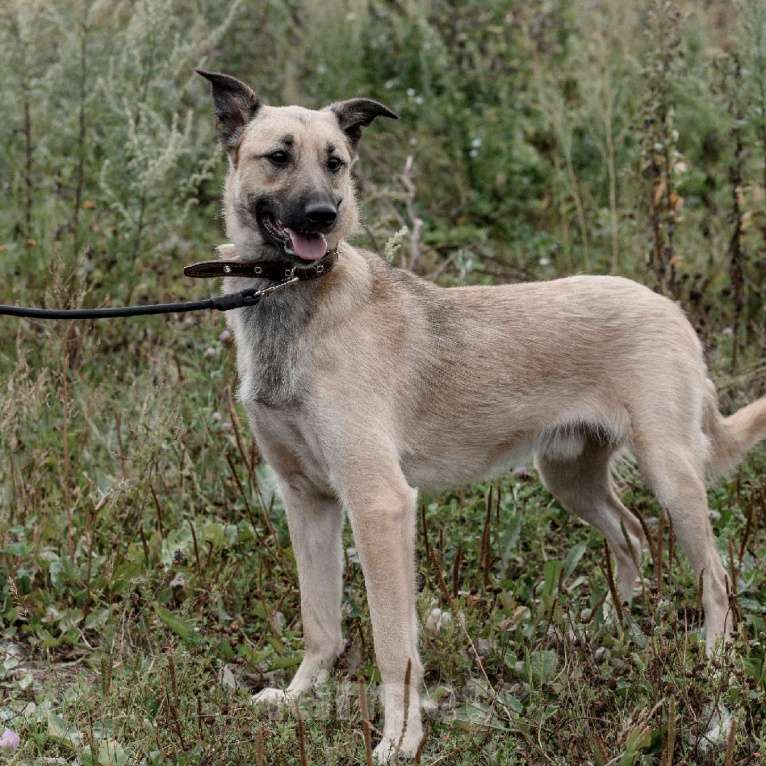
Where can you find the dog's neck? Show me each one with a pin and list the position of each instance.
(272, 336)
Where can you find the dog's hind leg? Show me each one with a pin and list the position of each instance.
(674, 469)
(582, 483)
(316, 524)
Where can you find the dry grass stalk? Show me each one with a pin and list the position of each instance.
(82, 87)
(670, 738)
(200, 723)
(300, 732)
(424, 526)
(731, 743)
(737, 255)
(235, 428)
(658, 556)
(158, 508)
(196, 546)
(612, 587)
(407, 682)
(120, 447)
(366, 725)
(260, 747)
(456, 571)
(485, 556)
(173, 704)
(647, 535)
(746, 534)
(671, 542)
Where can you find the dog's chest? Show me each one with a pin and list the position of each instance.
(271, 352)
(291, 445)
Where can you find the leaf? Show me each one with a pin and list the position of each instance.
(511, 539)
(57, 726)
(541, 665)
(551, 573)
(177, 540)
(181, 628)
(110, 753)
(472, 715)
(639, 739)
(513, 703)
(65, 733)
(573, 558)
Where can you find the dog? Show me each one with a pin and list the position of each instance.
(370, 384)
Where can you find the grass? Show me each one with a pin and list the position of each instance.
(148, 589)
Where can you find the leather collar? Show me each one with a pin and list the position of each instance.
(273, 270)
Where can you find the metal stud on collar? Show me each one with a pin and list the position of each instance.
(273, 270)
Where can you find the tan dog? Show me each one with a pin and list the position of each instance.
(370, 382)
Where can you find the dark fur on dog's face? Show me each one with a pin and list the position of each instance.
(289, 184)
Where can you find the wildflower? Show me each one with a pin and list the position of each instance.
(9, 740)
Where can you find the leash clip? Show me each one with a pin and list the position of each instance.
(278, 286)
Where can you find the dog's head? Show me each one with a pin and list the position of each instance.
(289, 184)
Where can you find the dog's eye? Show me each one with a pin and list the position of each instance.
(278, 159)
(334, 164)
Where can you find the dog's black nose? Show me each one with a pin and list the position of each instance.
(321, 213)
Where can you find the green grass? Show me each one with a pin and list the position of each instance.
(147, 592)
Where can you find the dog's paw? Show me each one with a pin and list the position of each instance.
(274, 697)
(389, 750)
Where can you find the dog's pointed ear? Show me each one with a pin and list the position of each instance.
(235, 105)
(358, 113)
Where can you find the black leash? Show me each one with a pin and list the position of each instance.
(276, 270)
(221, 303)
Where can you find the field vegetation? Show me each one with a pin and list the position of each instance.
(147, 585)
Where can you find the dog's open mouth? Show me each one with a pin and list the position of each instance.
(308, 246)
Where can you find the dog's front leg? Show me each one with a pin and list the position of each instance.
(382, 510)
(316, 524)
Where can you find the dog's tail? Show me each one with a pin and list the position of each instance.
(732, 437)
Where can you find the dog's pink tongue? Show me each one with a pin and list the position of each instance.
(310, 247)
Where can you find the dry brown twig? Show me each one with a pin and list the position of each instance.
(414, 222)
